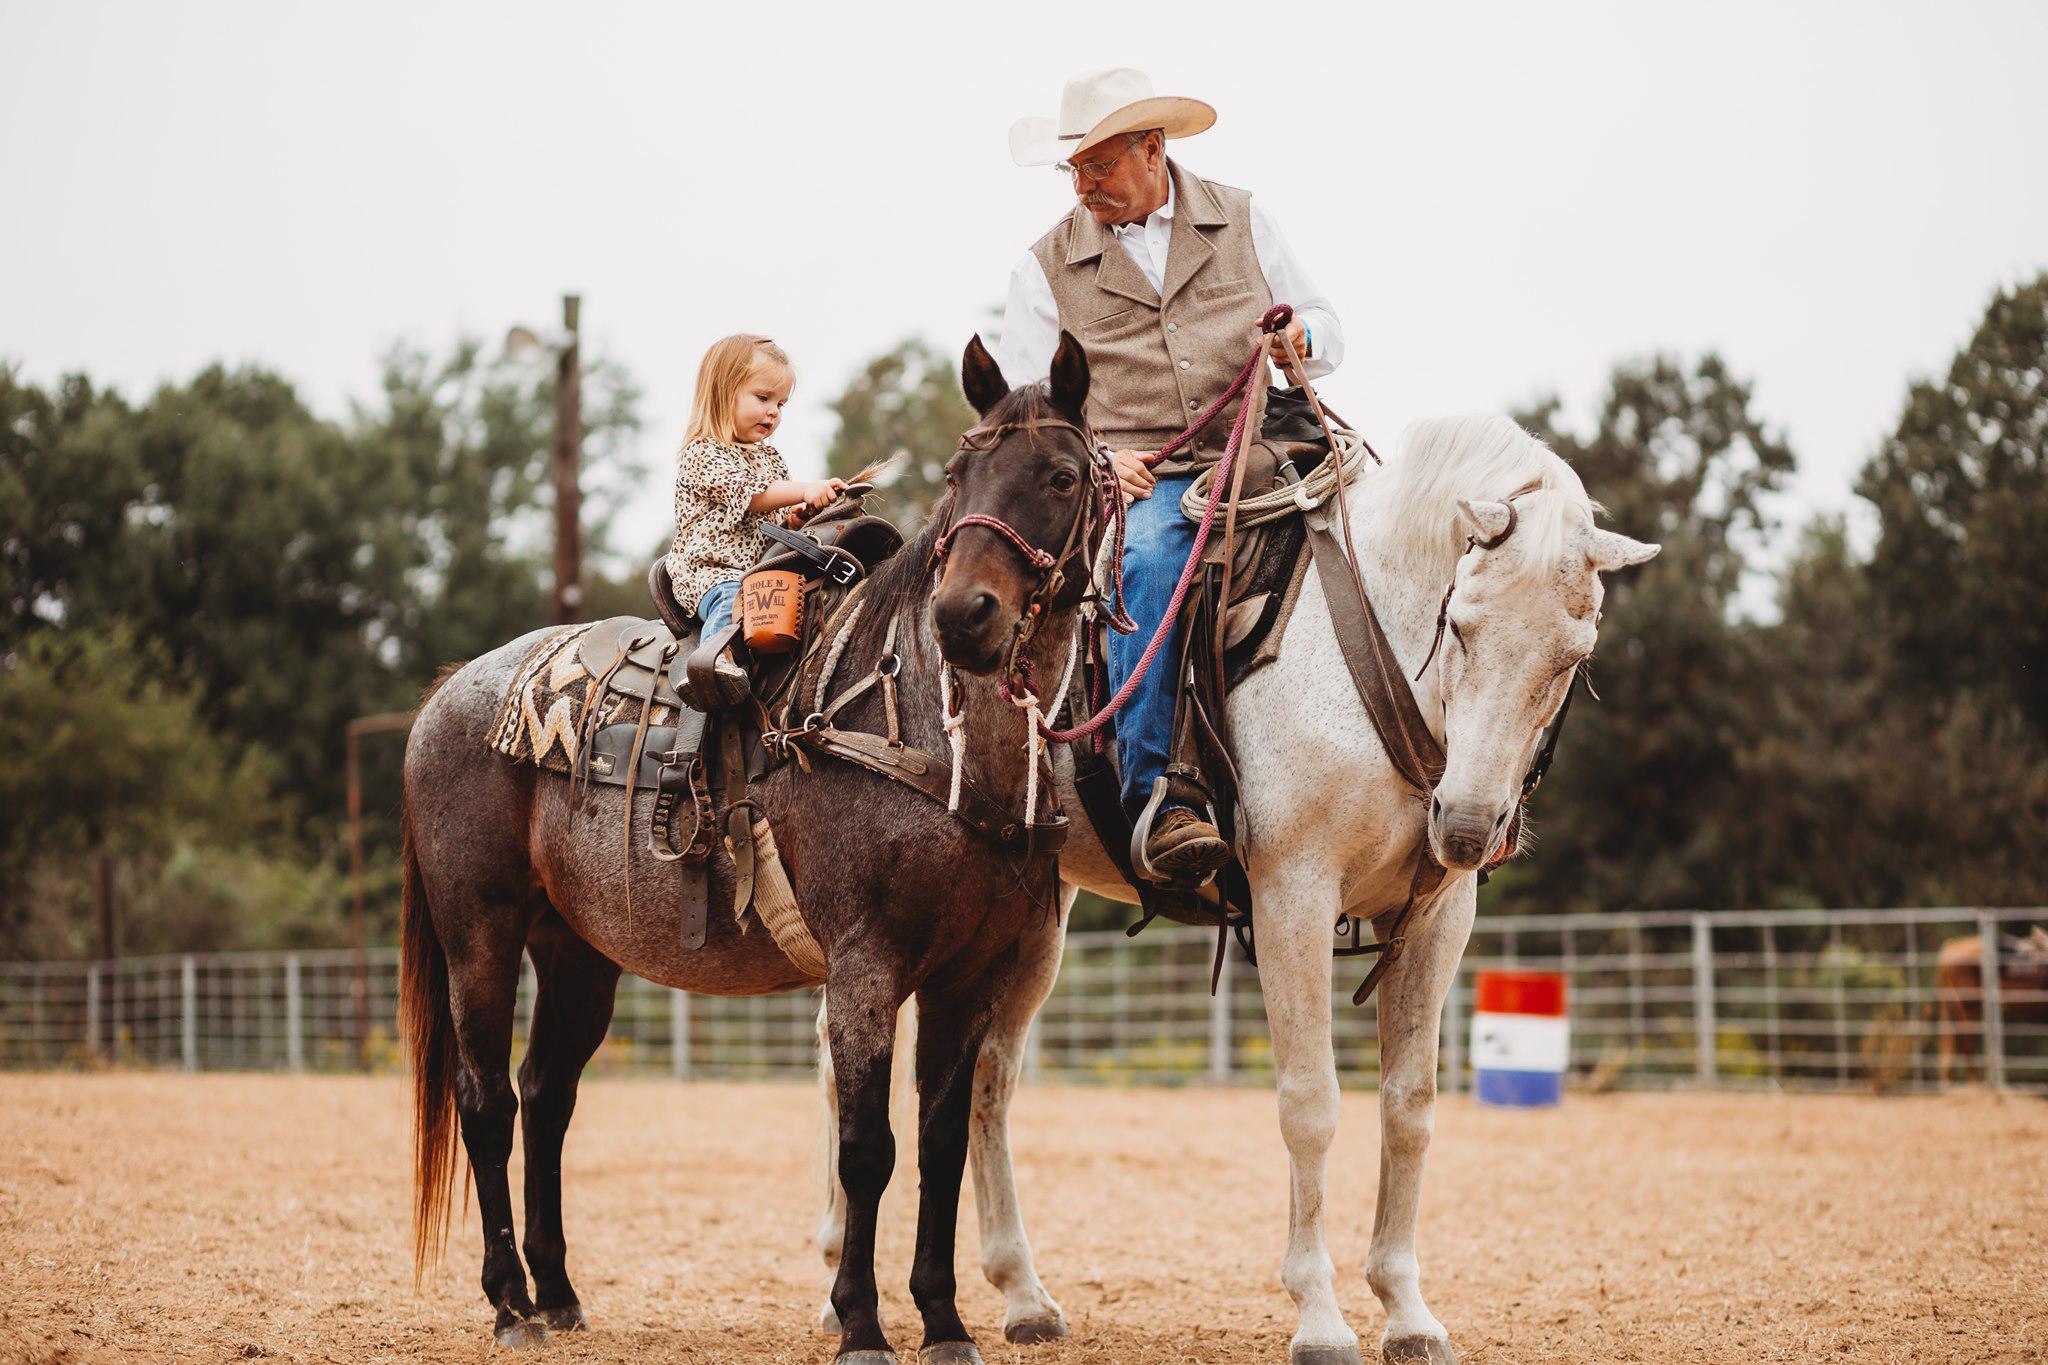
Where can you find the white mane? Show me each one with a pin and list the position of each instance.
(1478, 456)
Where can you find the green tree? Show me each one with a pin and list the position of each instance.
(906, 399)
(278, 573)
(296, 571)
(1961, 493)
(103, 755)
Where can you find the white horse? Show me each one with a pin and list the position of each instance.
(1331, 830)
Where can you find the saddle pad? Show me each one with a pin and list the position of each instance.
(542, 712)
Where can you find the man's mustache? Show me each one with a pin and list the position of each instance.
(1102, 201)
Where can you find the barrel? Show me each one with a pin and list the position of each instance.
(1521, 1042)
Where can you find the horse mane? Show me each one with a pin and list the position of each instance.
(904, 579)
(1479, 456)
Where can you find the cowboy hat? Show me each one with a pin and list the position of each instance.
(1100, 104)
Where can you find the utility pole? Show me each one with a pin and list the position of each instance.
(568, 603)
(110, 949)
(110, 932)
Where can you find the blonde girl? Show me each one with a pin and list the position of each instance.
(728, 478)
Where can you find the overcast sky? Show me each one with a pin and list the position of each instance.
(1502, 200)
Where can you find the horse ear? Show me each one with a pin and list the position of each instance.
(981, 378)
(1608, 550)
(1484, 519)
(1070, 378)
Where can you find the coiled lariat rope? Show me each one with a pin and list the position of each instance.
(1257, 509)
(1276, 318)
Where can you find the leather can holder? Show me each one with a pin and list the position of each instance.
(772, 610)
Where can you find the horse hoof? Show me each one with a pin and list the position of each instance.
(1324, 1355)
(523, 1333)
(569, 1318)
(1035, 1331)
(950, 1353)
(1418, 1351)
(867, 1358)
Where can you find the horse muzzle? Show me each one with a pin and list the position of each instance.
(1464, 834)
(972, 628)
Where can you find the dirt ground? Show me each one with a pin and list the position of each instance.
(162, 1217)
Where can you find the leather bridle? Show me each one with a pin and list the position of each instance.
(1052, 569)
(1540, 766)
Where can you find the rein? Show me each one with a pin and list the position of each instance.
(1275, 320)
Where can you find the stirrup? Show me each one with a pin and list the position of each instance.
(1141, 834)
(704, 685)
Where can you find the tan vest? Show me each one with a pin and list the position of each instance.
(1153, 362)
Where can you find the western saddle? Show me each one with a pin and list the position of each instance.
(699, 764)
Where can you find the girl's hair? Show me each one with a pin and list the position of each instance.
(726, 366)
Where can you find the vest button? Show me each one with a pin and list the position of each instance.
(1173, 327)
(1193, 406)
(1183, 364)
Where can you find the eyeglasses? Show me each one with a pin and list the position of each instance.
(1094, 170)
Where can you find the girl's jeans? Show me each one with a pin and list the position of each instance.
(714, 608)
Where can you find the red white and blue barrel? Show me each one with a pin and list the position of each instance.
(1521, 1043)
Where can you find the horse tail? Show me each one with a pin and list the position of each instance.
(428, 1026)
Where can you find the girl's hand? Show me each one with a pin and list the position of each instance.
(814, 496)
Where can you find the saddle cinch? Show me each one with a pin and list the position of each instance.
(697, 768)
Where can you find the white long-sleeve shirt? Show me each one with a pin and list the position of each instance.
(1031, 317)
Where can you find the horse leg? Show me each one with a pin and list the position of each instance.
(483, 976)
(571, 1013)
(1411, 1005)
(1294, 975)
(832, 1228)
(949, 1034)
(1029, 1314)
(861, 1002)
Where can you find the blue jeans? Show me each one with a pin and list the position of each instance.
(714, 608)
(1157, 539)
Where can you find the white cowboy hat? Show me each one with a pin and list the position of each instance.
(1100, 104)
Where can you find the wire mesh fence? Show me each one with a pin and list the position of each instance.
(1792, 999)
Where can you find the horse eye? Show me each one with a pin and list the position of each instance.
(1063, 481)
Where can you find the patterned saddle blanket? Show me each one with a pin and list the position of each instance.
(542, 715)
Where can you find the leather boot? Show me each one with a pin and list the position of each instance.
(714, 679)
(1183, 844)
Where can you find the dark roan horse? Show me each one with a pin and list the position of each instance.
(503, 859)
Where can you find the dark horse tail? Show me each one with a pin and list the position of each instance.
(428, 1026)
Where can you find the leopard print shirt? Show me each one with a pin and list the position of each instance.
(717, 538)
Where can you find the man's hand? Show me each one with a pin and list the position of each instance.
(1133, 475)
(1296, 332)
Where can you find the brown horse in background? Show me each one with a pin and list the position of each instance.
(505, 859)
(1959, 992)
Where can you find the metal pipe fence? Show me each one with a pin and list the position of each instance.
(1773, 999)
